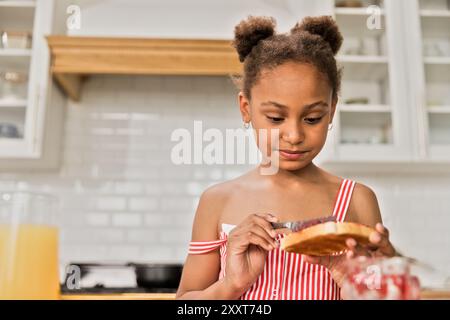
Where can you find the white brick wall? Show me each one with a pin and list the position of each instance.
(123, 200)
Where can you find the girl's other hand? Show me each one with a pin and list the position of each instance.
(379, 246)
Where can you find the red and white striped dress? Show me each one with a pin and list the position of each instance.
(286, 276)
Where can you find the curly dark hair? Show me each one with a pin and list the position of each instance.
(315, 40)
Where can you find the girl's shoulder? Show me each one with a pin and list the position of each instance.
(363, 207)
(220, 192)
(361, 193)
(211, 206)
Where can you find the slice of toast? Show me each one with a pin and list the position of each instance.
(326, 238)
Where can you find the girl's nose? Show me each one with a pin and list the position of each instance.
(293, 134)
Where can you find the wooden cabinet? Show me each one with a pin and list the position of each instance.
(30, 126)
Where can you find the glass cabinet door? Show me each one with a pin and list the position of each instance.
(16, 32)
(370, 126)
(435, 27)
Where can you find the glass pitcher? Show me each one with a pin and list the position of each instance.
(28, 246)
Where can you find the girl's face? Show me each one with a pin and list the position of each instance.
(297, 100)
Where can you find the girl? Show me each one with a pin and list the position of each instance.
(290, 83)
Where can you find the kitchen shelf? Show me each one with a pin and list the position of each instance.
(354, 155)
(365, 128)
(438, 109)
(352, 22)
(362, 59)
(17, 16)
(437, 60)
(435, 13)
(75, 57)
(19, 4)
(437, 69)
(15, 63)
(439, 128)
(435, 26)
(364, 108)
(364, 68)
(341, 11)
(437, 72)
(15, 52)
(8, 103)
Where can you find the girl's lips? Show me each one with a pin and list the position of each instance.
(292, 156)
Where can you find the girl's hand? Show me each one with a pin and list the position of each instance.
(247, 248)
(379, 246)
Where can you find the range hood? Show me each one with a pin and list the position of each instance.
(75, 58)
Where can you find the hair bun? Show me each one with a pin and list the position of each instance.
(249, 32)
(323, 26)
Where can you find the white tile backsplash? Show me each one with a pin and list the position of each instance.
(126, 220)
(97, 219)
(145, 204)
(123, 200)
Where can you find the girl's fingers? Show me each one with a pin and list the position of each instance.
(325, 261)
(355, 249)
(380, 237)
(253, 238)
(255, 220)
(267, 216)
(264, 219)
(382, 229)
(377, 239)
(261, 232)
(314, 260)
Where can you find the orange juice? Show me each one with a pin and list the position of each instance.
(28, 262)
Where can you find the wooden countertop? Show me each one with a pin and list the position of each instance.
(425, 295)
(435, 294)
(120, 296)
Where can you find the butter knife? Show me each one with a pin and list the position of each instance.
(295, 226)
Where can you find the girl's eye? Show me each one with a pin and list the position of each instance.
(313, 120)
(275, 120)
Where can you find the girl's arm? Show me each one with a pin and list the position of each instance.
(247, 247)
(220, 290)
(364, 209)
(364, 206)
(199, 279)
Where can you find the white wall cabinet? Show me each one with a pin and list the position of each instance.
(429, 57)
(373, 122)
(395, 98)
(37, 114)
(394, 105)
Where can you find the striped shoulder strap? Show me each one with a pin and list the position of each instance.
(343, 199)
(201, 247)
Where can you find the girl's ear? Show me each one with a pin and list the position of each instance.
(333, 108)
(244, 106)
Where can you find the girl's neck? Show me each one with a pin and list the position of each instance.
(309, 173)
